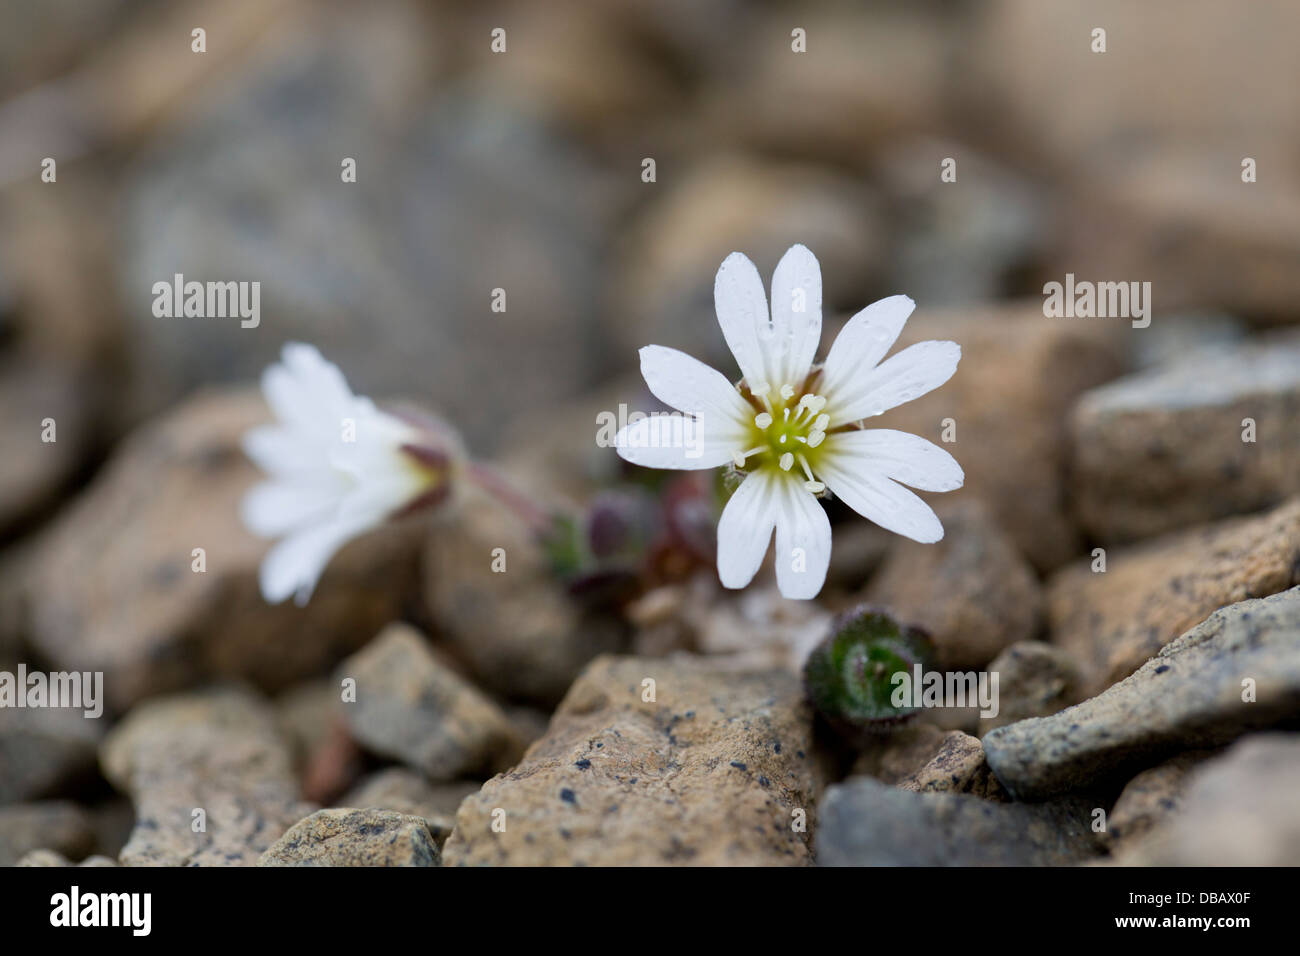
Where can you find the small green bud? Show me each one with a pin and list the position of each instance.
(849, 676)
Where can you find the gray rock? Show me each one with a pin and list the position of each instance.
(1163, 449)
(43, 749)
(864, 822)
(412, 707)
(219, 751)
(454, 197)
(55, 824)
(1190, 695)
(347, 837)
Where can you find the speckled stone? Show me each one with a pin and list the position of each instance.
(1149, 594)
(348, 837)
(713, 771)
(1187, 696)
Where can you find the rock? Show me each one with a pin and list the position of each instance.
(1034, 680)
(346, 837)
(864, 822)
(893, 757)
(1059, 100)
(219, 751)
(306, 712)
(43, 750)
(39, 400)
(958, 767)
(732, 203)
(1150, 798)
(55, 824)
(121, 560)
(972, 591)
(406, 791)
(713, 771)
(54, 858)
(1239, 809)
(522, 635)
(1150, 593)
(1190, 695)
(955, 246)
(1179, 216)
(773, 99)
(502, 194)
(1164, 449)
(1019, 375)
(412, 707)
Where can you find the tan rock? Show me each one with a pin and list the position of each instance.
(347, 837)
(1151, 798)
(713, 771)
(1034, 680)
(1019, 375)
(958, 767)
(219, 751)
(1150, 593)
(120, 559)
(521, 634)
(972, 591)
(1238, 809)
(406, 791)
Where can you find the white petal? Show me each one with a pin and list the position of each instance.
(285, 452)
(882, 500)
(687, 384)
(911, 373)
(295, 564)
(803, 543)
(862, 343)
(741, 304)
(273, 508)
(796, 316)
(745, 528)
(307, 392)
(899, 455)
(679, 442)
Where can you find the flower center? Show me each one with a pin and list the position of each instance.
(786, 433)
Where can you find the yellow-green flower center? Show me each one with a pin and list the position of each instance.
(788, 432)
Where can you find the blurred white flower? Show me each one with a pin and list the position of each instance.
(794, 429)
(338, 467)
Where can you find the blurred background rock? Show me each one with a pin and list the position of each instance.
(523, 171)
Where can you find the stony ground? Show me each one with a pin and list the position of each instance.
(1125, 553)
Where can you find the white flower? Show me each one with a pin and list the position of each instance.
(794, 429)
(338, 466)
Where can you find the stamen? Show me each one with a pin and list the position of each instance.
(787, 391)
(763, 420)
(786, 462)
(816, 438)
(821, 423)
(739, 456)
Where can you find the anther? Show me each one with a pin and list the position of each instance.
(786, 462)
